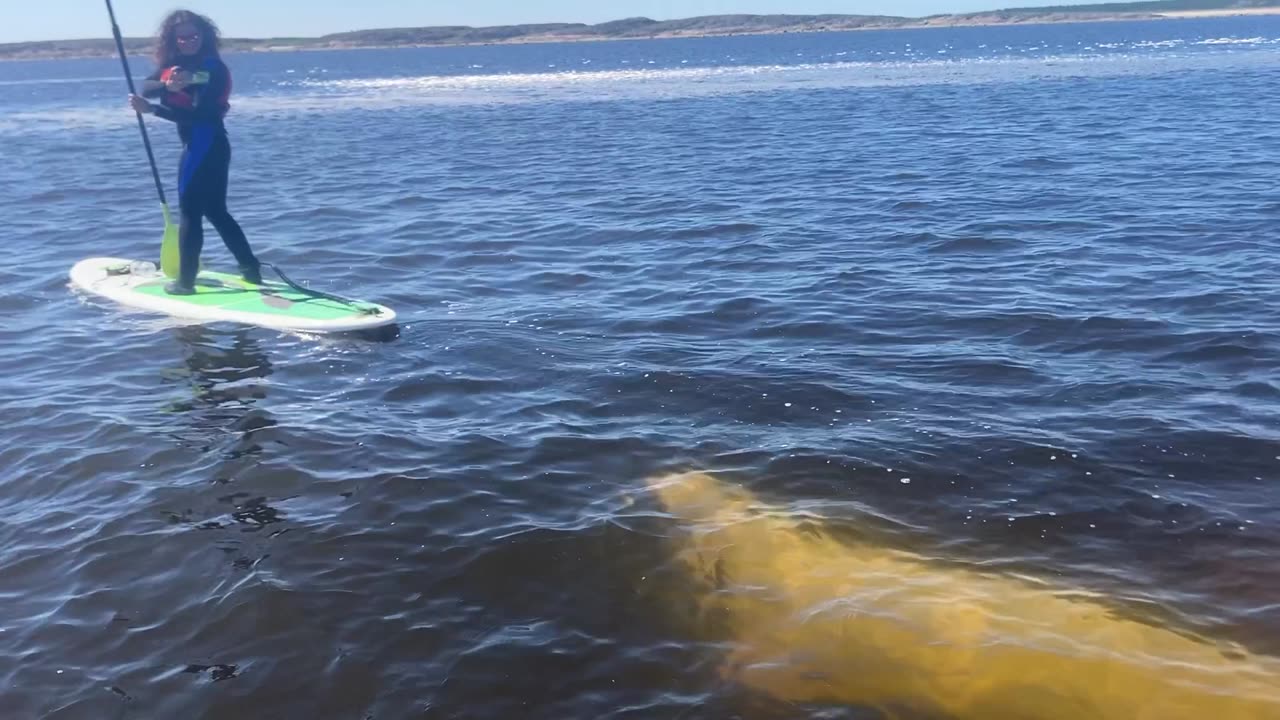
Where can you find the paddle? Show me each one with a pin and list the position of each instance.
(169, 245)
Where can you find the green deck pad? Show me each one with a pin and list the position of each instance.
(231, 292)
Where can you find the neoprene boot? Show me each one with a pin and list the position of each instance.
(252, 273)
(188, 268)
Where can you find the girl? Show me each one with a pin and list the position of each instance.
(192, 85)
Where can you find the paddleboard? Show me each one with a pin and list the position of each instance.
(223, 297)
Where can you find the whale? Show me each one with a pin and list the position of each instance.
(813, 617)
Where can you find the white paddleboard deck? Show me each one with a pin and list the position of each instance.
(223, 297)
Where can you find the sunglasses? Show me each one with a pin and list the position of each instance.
(190, 38)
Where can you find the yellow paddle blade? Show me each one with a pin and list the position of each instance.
(169, 254)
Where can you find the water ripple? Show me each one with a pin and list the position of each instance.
(989, 309)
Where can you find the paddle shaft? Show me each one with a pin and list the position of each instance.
(142, 125)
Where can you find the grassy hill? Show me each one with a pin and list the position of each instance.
(638, 27)
(1162, 6)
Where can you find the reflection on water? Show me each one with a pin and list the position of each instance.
(224, 374)
(225, 367)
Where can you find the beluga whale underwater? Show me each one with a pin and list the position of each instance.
(813, 619)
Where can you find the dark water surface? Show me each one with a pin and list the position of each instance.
(1014, 288)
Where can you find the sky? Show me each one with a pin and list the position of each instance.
(26, 20)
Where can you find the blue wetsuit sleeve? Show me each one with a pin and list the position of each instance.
(148, 89)
(177, 115)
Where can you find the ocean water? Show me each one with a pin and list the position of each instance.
(1013, 288)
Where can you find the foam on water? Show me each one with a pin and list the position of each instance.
(686, 82)
(1239, 41)
(313, 94)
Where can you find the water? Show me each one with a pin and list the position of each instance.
(1014, 289)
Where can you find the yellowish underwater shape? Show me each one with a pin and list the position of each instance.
(817, 620)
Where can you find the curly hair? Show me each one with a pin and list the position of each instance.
(167, 54)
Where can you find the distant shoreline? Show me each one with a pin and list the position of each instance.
(365, 40)
(1221, 13)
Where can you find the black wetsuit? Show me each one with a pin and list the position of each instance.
(198, 110)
